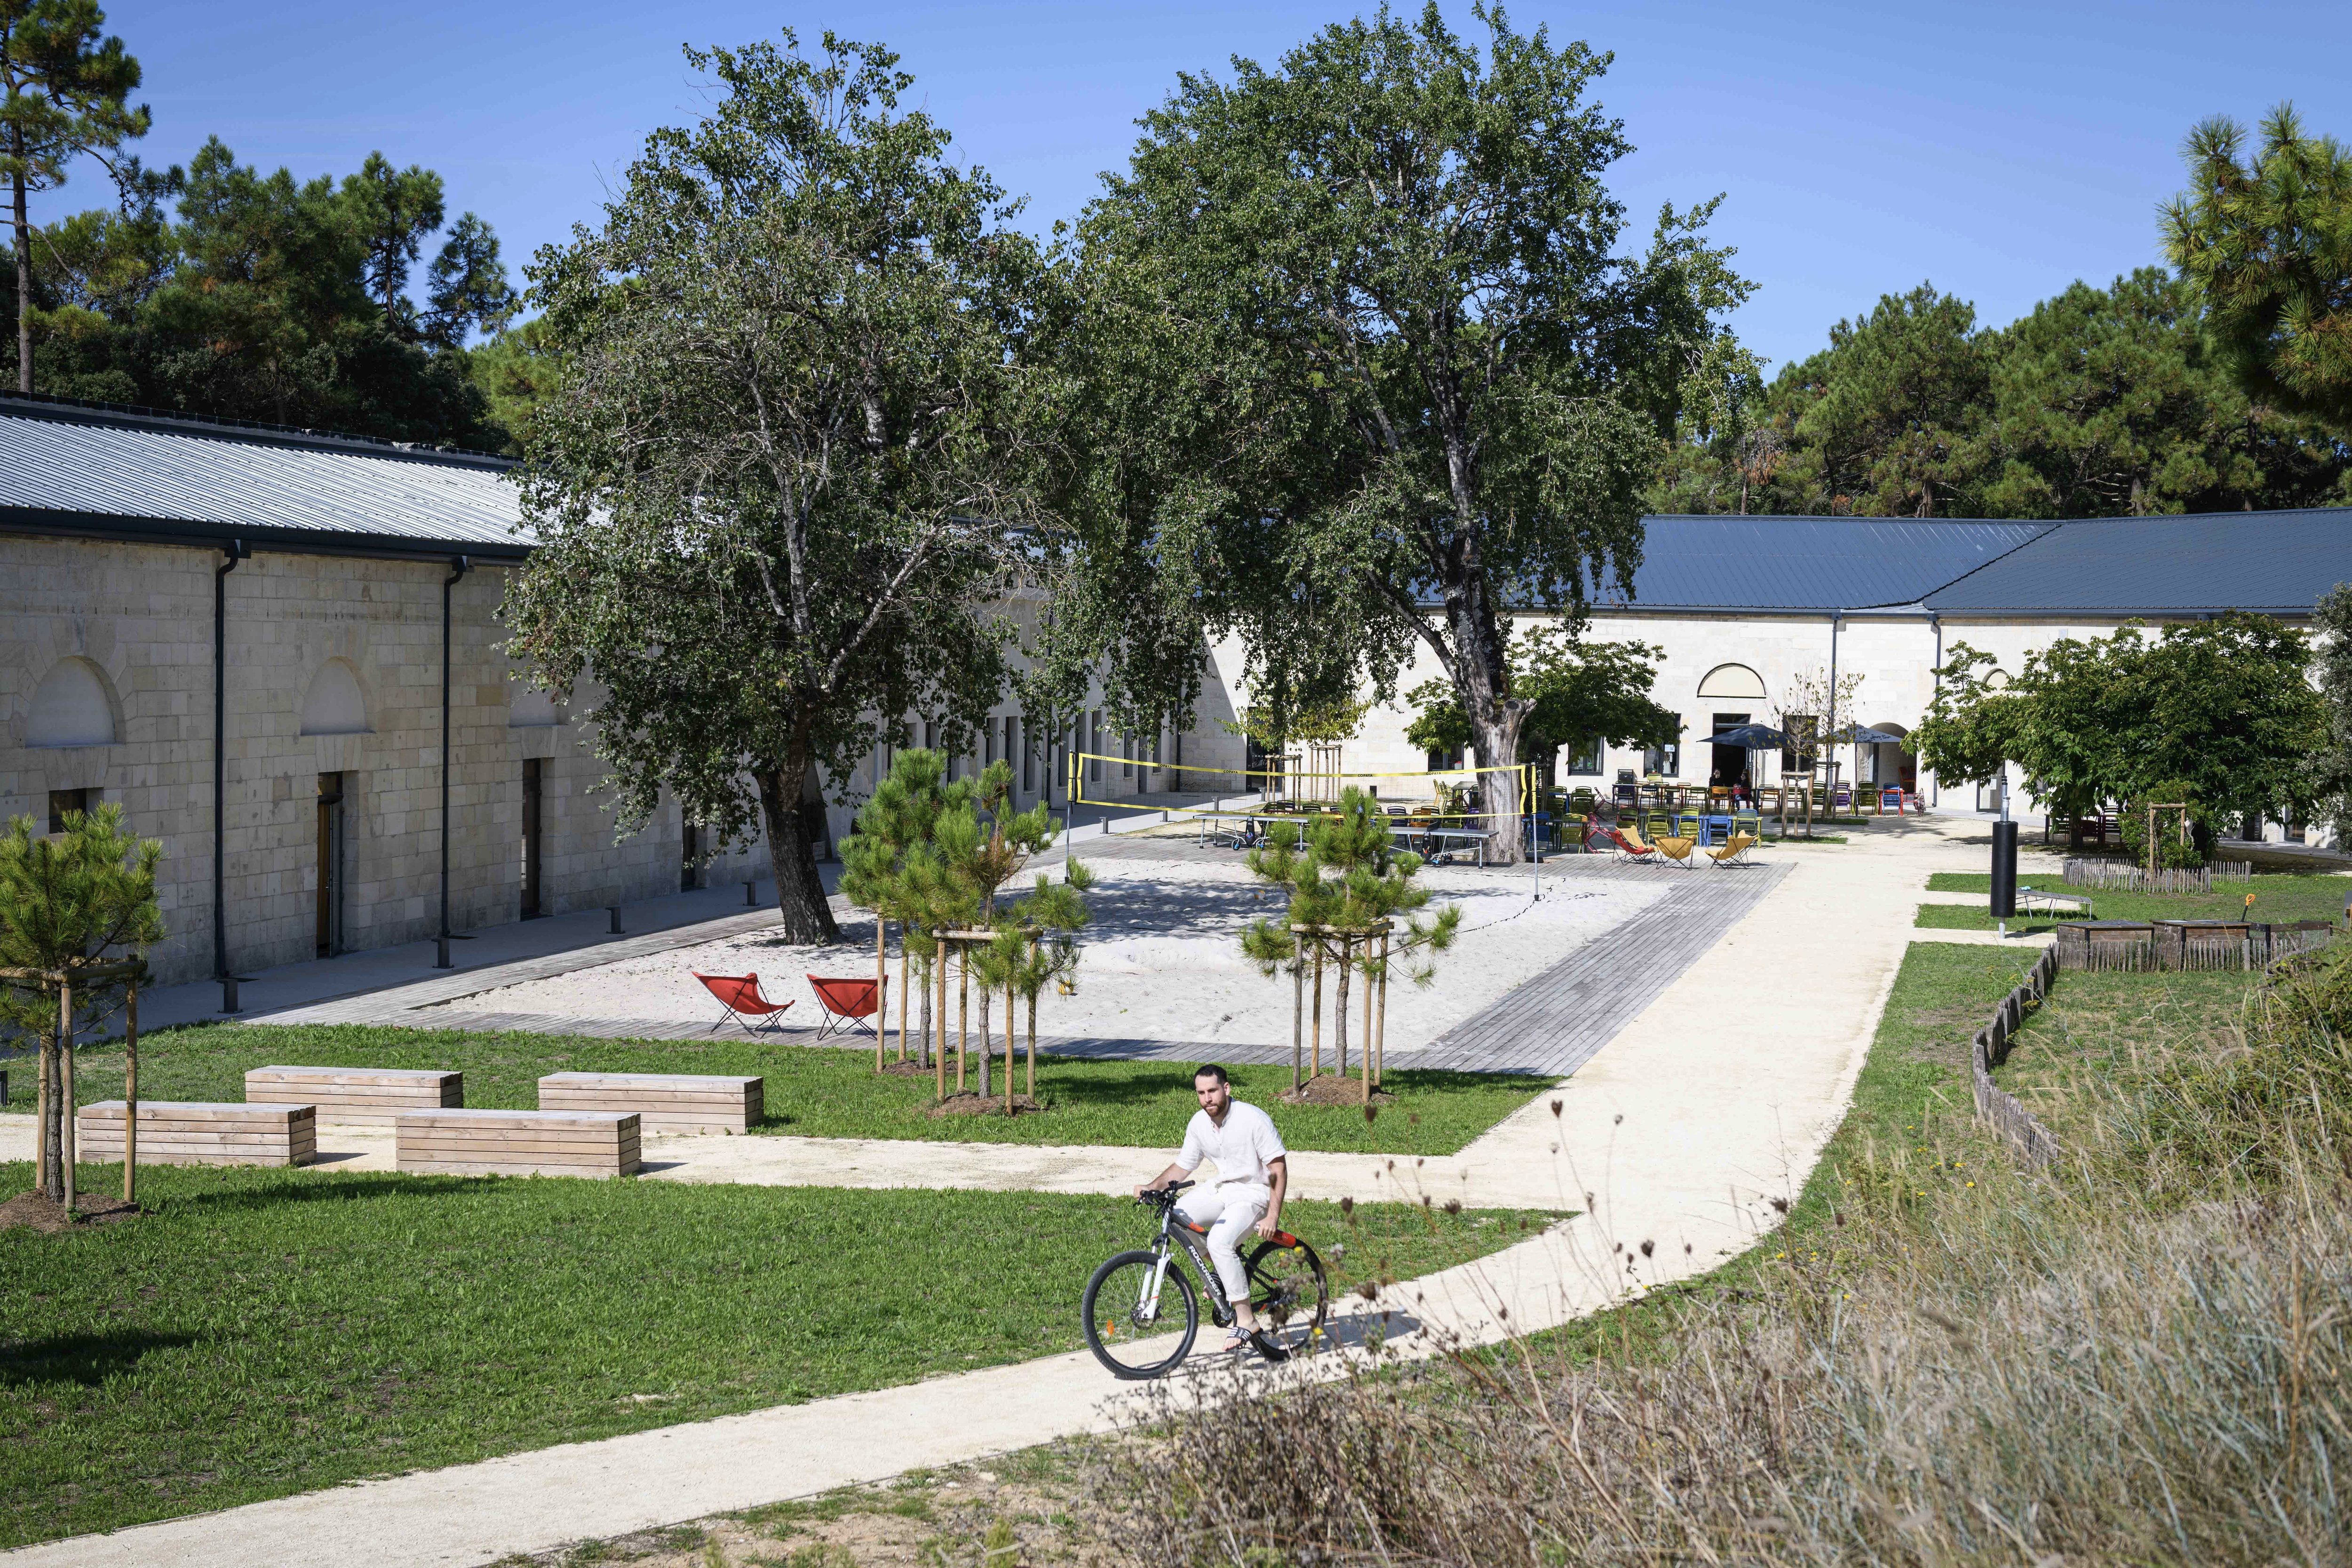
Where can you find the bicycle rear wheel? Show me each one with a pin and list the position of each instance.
(1134, 1330)
(1290, 1296)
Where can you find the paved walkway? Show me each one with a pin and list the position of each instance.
(1678, 1133)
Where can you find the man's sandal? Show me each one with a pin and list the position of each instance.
(1239, 1340)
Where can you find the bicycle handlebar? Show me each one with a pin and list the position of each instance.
(1162, 1195)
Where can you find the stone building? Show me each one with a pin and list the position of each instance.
(244, 635)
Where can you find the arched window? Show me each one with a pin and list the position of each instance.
(1731, 680)
(71, 707)
(335, 704)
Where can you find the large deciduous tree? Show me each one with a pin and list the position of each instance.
(2267, 239)
(64, 91)
(787, 473)
(1401, 375)
(2224, 707)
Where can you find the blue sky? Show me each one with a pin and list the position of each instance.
(1999, 151)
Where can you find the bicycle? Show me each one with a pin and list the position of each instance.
(1137, 1291)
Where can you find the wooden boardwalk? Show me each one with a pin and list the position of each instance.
(1554, 1023)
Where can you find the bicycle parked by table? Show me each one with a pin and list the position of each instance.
(1142, 1310)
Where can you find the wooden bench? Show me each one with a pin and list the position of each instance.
(371, 1096)
(516, 1143)
(666, 1103)
(197, 1132)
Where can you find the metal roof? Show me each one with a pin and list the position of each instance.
(1816, 563)
(69, 467)
(2278, 562)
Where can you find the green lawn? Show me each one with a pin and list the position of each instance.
(2284, 897)
(265, 1333)
(815, 1091)
(2103, 1029)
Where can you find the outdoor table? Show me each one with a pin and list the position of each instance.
(1476, 836)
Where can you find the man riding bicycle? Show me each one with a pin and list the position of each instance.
(1253, 1172)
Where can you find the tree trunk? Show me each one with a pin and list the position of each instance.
(1339, 1012)
(1494, 721)
(987, 995)
(800, 907)
(24, 271)
(45, 1166)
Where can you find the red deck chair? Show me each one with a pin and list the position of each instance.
(1625, 848)
(740, 995)
(847, 1004)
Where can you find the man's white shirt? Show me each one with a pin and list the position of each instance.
(1243, 1149)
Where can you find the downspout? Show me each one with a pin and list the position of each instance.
(1837, 619)
(234, 552)
(1937, 797)
(441, 953)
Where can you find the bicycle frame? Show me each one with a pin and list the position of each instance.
(1175, 1237)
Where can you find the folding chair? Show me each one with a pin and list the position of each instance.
(740, 995)
(1675, 848)
(1734, 851)
(847, 1004)
(1627, 842)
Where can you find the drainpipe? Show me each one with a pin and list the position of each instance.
(1936, 621)
(441, 943)
(1837, 619)
(231, 554)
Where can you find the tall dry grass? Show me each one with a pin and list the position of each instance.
(2139, 1355)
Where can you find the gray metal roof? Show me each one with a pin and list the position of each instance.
(2272, 561)
(1817, 564)
(65, 466)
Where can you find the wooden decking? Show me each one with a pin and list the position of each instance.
(358, 1096)
(201, 1133)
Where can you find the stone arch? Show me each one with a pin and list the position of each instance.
(1890, 763)
(1732, 680)
(335, 704)
(74, 705)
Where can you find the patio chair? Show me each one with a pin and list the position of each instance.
(1748, 822)
(740, 995)
(847, 1004)
(1734, 851)
(1627, 843)
(1675, 848)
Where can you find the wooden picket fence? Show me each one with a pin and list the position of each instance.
(2179, 944)
(2123, 877)
(1996, 1106)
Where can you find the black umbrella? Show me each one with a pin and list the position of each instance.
(1864, 735)
(1750, 738)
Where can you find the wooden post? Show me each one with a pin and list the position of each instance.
(881, 986)
(1366, 1049)
(1381, 1027)
(1008, 1048)
(963, 1009)
(41, 1113)
(131, 1096)
(1298, 1010)
(65, 1150)
(902, 991)
(940, 968)
(1315, 1035)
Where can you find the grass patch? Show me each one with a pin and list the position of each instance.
(2290, 896)
(2101, 1033)
(820, 1091)
(265, 1333)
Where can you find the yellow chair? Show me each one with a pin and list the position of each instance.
(1675, 848)
(1734, 851)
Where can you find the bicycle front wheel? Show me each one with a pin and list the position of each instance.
(1141, 1315)
(1290, 1296)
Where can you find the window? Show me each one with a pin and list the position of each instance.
(1586, 758)
(62, 801)
(1093, 745)
(1013, 748)
(1442, 761)
(1667, 762)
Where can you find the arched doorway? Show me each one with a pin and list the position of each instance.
(1886, 764)
(1735, 694)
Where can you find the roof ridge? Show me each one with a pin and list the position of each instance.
(212, 428)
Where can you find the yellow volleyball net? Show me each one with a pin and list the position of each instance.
(1298, 788)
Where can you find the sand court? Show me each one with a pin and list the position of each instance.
(1161, 961)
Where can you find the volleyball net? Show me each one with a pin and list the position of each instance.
(1299, 787)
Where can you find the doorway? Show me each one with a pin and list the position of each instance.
(533, 899)
(1731, 764)
(689, 867)
(330, 881)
